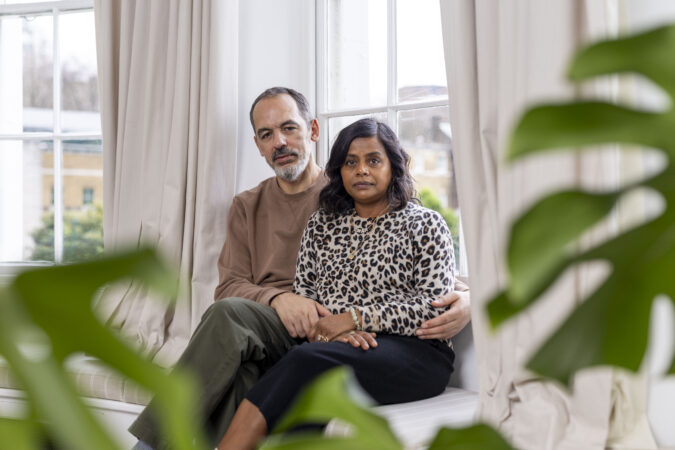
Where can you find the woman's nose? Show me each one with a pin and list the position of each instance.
(362, 169)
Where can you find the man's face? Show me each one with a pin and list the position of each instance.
(283, 137)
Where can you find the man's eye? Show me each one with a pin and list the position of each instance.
(289, 129)
(264, 136)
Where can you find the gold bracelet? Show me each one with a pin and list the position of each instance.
(357, 324)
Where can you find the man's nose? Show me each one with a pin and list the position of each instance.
(279, 139)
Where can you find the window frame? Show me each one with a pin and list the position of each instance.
(54, 8)
(392, 108)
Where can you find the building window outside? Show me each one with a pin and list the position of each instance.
(384, 59)
(87, 196)
(50, 132)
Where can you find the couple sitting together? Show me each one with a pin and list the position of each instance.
(371, 272)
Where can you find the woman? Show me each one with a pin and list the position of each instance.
(375, 260)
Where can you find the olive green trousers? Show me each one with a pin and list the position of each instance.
(236, 341)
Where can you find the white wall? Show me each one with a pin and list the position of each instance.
(276, 48)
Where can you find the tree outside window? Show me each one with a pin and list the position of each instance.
(50, 137)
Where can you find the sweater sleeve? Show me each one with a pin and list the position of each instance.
(234, 263)
(305, 267)
(433, 276)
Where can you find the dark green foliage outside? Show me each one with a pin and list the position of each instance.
(429, 200)
(82, 236)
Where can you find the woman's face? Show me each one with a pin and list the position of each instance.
(366, 172)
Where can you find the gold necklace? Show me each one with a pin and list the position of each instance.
(352, 253)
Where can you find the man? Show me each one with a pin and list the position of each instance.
(259, 318)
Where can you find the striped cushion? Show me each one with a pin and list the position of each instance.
(93, 379)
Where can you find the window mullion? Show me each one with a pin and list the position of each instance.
(321, 79)
(391, 64)
(57, 143)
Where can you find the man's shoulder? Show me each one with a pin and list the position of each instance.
(252, 194)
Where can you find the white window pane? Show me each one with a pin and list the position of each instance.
(79, 95)
(420, 58)
(82, 200)
(357, 53)
(15, 2)
(335, 125)
(425, 135)
(26, 90)
(26, 216)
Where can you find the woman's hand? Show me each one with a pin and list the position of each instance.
(361, 339)
(328, 328)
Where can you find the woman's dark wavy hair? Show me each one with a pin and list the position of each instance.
(334, 198)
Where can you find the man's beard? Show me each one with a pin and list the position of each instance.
(290, 172)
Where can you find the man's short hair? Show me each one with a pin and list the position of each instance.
(300, 100)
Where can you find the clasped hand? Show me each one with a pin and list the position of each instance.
(340, 328)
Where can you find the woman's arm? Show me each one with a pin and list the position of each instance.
(433, 276)
(304, 283)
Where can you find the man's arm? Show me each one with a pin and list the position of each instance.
(234, 263)
(452, 321)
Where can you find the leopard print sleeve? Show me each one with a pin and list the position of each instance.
(433, 274)
(305, 280)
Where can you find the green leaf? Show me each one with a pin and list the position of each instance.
(611, 326)
(477, 437)
(18, 434)
(566, 126)
(543, 239)
(324, 400)
(46, 315)
(648, 53)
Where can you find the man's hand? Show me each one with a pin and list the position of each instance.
(331, 326)
(451, 321)
(357, 339)
(297, 313)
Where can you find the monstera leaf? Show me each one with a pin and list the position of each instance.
(611, 326)
(45, 316)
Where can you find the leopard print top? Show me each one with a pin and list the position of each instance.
(401, 265)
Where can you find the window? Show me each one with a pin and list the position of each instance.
(87, 196)
(50, 132)
(384, 59)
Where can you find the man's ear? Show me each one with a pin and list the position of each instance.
(314, 130)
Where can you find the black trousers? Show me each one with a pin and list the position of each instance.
(400, 369)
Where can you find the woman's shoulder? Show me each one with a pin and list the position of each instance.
(418, 215)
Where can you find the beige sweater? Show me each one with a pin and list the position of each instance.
(264, 228)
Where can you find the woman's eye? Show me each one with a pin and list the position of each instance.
(374, 161)
(349, 163)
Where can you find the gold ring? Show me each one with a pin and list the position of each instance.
(322, 338)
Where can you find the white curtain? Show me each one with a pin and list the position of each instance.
(168, 91)
(501, 56)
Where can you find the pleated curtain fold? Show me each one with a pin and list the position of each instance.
(168, 92)
(501, 57)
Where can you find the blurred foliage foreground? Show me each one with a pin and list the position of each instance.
(46, 315)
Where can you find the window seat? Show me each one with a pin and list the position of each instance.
(117, 402)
